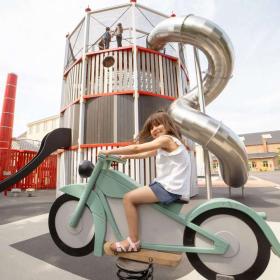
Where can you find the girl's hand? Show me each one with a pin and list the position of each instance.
(124, 156)
(103, 152)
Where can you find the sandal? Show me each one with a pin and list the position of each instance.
(133, 246)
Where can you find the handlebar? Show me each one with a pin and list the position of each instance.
(112, 158)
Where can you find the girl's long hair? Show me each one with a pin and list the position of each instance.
(157, 119)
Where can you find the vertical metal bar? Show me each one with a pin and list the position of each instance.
(170, 74)
(83, 89)
(115, 118)
(161, 83)
(157, 75)
(110, 71)
(168, 77)
(79, 80)
(125, 80)
(76, 81)
(88, 86)
(70, 75)
(179, 76)
(101, 71)
(114, 72)
(105, 86)
(97, 75)
(148, 72)
(175, 83)
(153, 87)
(130, 71)
(185, 56)
(143, 71)
(64, 80)
(164, 64)
(120, 87)
(135, 84)
(147, 171)
(126, 168)
(117, 77)
(202, 109)
(71, 88)
(139, 71)
(111, 75)
(93, 81)
(152, 165)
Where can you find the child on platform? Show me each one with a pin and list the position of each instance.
(172, 167)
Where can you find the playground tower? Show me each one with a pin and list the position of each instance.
(106, 107)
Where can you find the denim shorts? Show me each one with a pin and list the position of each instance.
(162, 194)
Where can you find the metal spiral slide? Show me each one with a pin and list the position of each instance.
(210, 133)
(56, 139)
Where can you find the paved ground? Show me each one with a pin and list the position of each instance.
(27, 251)
(20, 207)
(273, 176)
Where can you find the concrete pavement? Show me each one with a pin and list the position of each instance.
(27, 251)
(23, 256)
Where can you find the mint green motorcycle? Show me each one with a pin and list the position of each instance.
(220, 236)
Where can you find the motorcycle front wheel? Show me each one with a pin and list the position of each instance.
(78, 241)
(249, 251)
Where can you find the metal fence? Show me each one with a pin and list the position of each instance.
(43, 177)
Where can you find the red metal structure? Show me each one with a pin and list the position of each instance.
(11, 161)
(7, 117)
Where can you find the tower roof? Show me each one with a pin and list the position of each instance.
(145, 20)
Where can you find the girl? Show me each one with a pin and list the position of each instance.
(172, 167)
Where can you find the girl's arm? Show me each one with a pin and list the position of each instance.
(160, 142)
(140, 155)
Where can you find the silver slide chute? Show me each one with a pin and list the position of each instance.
(203, 129)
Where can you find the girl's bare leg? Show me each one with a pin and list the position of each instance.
(131, 200)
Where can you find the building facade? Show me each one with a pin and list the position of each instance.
(38, 129)
(263, 149)
(31, 139)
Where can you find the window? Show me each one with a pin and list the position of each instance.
(254, 164)
(215, 165)
(265, 163)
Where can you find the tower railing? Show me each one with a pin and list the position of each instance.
(146, 167)
(157, 74)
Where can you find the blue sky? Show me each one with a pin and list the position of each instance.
(33, 40)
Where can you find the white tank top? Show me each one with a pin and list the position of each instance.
(174, 169)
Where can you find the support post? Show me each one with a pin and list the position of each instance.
(83, 90)
(207, 169)
(135, 85)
